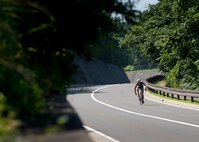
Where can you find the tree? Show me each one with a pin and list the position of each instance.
(39, 39)
(107, 49)
(168, 32)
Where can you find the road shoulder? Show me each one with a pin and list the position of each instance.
(171, 102)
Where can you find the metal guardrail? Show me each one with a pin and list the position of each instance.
(166, 91)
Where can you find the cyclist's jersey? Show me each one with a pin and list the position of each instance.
(140, 85)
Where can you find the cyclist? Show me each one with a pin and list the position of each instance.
(139, 89)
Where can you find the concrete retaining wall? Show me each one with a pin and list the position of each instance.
(98, 72)
(134, 75)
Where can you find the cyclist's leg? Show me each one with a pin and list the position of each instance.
(142, 95)
(137, 91)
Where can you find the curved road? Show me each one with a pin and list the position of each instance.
(115, 111)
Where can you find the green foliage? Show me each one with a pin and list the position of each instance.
(129, 68)
(7, 122)
(18, 83)
(38, 40)
(107, 50)
(168, 33)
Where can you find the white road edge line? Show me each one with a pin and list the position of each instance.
(179, 106)
(139, 114)
(101, 134)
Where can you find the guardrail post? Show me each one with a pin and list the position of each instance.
(192, 99)
(153, 90)
(166, 91)
(185, 97)
(178, 97)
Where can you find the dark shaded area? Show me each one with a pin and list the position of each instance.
(61, 118)
(38, 42)
(59, 107)
(155, 78)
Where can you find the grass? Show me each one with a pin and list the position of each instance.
(161, 83)
(175, 98)
(143, 70)
(146, 70)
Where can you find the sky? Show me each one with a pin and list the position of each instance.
(142, 4)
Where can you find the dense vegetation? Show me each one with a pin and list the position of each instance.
(168, 32)
(107, 49)
(38, 40)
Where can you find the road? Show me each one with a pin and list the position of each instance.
(115, 111)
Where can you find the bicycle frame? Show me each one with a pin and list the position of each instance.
(140, 95)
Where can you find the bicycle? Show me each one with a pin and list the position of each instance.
(140, 94)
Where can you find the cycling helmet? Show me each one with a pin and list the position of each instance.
(138, 80)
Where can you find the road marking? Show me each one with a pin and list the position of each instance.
(101, 134)
(179, 106)
(139, 114)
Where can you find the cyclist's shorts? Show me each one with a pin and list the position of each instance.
(141, 91)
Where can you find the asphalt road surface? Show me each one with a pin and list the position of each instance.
(115, 111)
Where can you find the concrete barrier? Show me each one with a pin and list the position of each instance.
(97, 72)
(143, 75)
